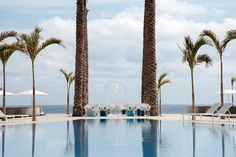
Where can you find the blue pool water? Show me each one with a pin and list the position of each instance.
(118, 138)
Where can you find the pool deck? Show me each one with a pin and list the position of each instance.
(50, 118)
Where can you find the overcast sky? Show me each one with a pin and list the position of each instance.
(115, 47)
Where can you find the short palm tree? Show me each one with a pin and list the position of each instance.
(220, 47)
(5, 52)
(32, 45)
(160, 82)
(69, 79)
(232, 80)
(190, 57)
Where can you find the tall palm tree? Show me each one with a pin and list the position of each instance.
(69, 79)
(149, 66)
(160, 82)
(5, 53)
(232, 80)
(4, 57)
(32, 46)
(190, 57)
(220, 47)
(81, 59)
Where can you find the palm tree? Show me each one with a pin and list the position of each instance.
(32, 46)
(149, 66)
(69, 79)
(232, 80)
(5, 53)
(4, 57)
(220, 47)
(192, 59)
(81, 59)
(161, 81)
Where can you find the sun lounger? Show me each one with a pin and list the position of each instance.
(230, 116)
(91, 112)
(2, 115)
(209, 112)
(223, 110)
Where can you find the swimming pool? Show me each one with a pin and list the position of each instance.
(118, 138)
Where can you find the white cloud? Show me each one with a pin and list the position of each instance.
(180, 7)
(37, 4)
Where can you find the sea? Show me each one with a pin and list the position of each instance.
(166, 109)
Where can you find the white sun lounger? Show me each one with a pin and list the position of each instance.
(209, 112)
(223, 110)
(2, 115)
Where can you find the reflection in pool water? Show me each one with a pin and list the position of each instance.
(81, 138)
(118, 138)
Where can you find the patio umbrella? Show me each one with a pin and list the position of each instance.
(228, 92)
(30, 92)
(7, 93)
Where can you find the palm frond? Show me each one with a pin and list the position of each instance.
(184, 58)
(6, 34)
(26, 42)
(5, 55)
(232, 80)
(204, 58)
(210, 34)
(72, 78)
(35, 37)
(188, 55)
(199, 43)
(165, 82)
(66, 75)
(161, 80)
(31, 42)
(231, 35)
(49, 42)
(7, 50)
(188, 43)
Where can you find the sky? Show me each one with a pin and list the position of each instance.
(115, 48)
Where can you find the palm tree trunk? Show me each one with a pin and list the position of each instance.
(3, 139)
(68, 99)
(79, 58)
(4, 110)
(33, 138)
(232, 86)
(221, 82)
(160, 101)
(149, 90)
(34, 105)
(193, 95)
(85, 72)
(194, 139)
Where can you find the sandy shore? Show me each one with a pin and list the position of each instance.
(50, 118)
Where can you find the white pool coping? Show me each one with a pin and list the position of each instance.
(51, 118)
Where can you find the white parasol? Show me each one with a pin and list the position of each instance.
(7, 93)
(30, 92)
